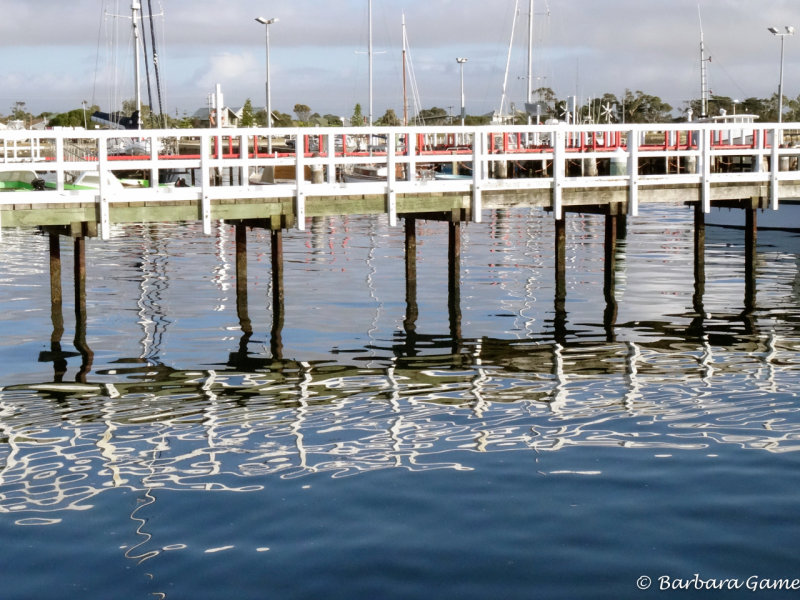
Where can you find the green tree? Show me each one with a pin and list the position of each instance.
(389, 118)
(302, 111)
(433, 116)
(333, 120)
(357, 120)
(248, 118)
(644, 108)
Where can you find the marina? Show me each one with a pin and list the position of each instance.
(495, 353)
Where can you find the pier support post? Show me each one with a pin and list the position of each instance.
(454, 278)
(751, 234)
(412, 309)
(276, 343)
(609, 279)
(560, 242)
(699, 259)
(79, 267)
(56, 310)
(241, 284)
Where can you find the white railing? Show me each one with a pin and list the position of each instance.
(556, 157)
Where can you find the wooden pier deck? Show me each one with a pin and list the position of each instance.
(610, 169)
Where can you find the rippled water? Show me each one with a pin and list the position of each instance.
(499, 447)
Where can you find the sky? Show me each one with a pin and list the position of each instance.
(56, 54)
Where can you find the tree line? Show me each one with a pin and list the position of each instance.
(630, 107)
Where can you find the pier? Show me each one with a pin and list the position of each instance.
(231, 174)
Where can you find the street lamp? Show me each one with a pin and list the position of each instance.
(777, 32)
(461, 62)
(267, 23)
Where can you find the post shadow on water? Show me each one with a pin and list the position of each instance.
(412, 343)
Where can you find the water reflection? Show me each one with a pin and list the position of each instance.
(684, 377)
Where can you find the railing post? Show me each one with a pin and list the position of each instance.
(60, 161)
(391, 176)
(559, 170)
(244, 156)
(705, 177)
(478, 141)
(331, 150)
(411, 153)
(102, 178)
(300, 195)
(633, 172)
(777, 136)
(205, 182)
(153, 162)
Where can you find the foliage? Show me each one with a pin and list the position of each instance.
(357, 120)
(389, 118)
(302, 111)
(248, 118)
(333, 120)
(433, 116)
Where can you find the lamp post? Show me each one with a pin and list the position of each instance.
(267, 23)
(777, 32)
(461, 62)
(83, 103)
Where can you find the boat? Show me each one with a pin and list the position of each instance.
(119, 120)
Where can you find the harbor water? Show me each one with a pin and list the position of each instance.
(169, 440)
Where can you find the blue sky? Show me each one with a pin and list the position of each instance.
(54, 54)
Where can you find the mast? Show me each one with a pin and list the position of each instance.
(369, 54)
(136, 8)
(508, 58)
(405, 95)
(703, 79)
(529, 94)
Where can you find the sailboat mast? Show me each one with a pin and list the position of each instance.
(508, 57)
(405, 94)
(529, 95)
(136, 8)
(369, 54)
(703, 79)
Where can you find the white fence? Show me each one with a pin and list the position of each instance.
(689, 153)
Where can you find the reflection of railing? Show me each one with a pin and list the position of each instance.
(228, 430)
(557, 159)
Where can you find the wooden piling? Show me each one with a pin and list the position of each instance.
(241, 279)
(276, 343)
(412, 309)
(609, 278)
(454, 278)
(699, 258)
(751, 235)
